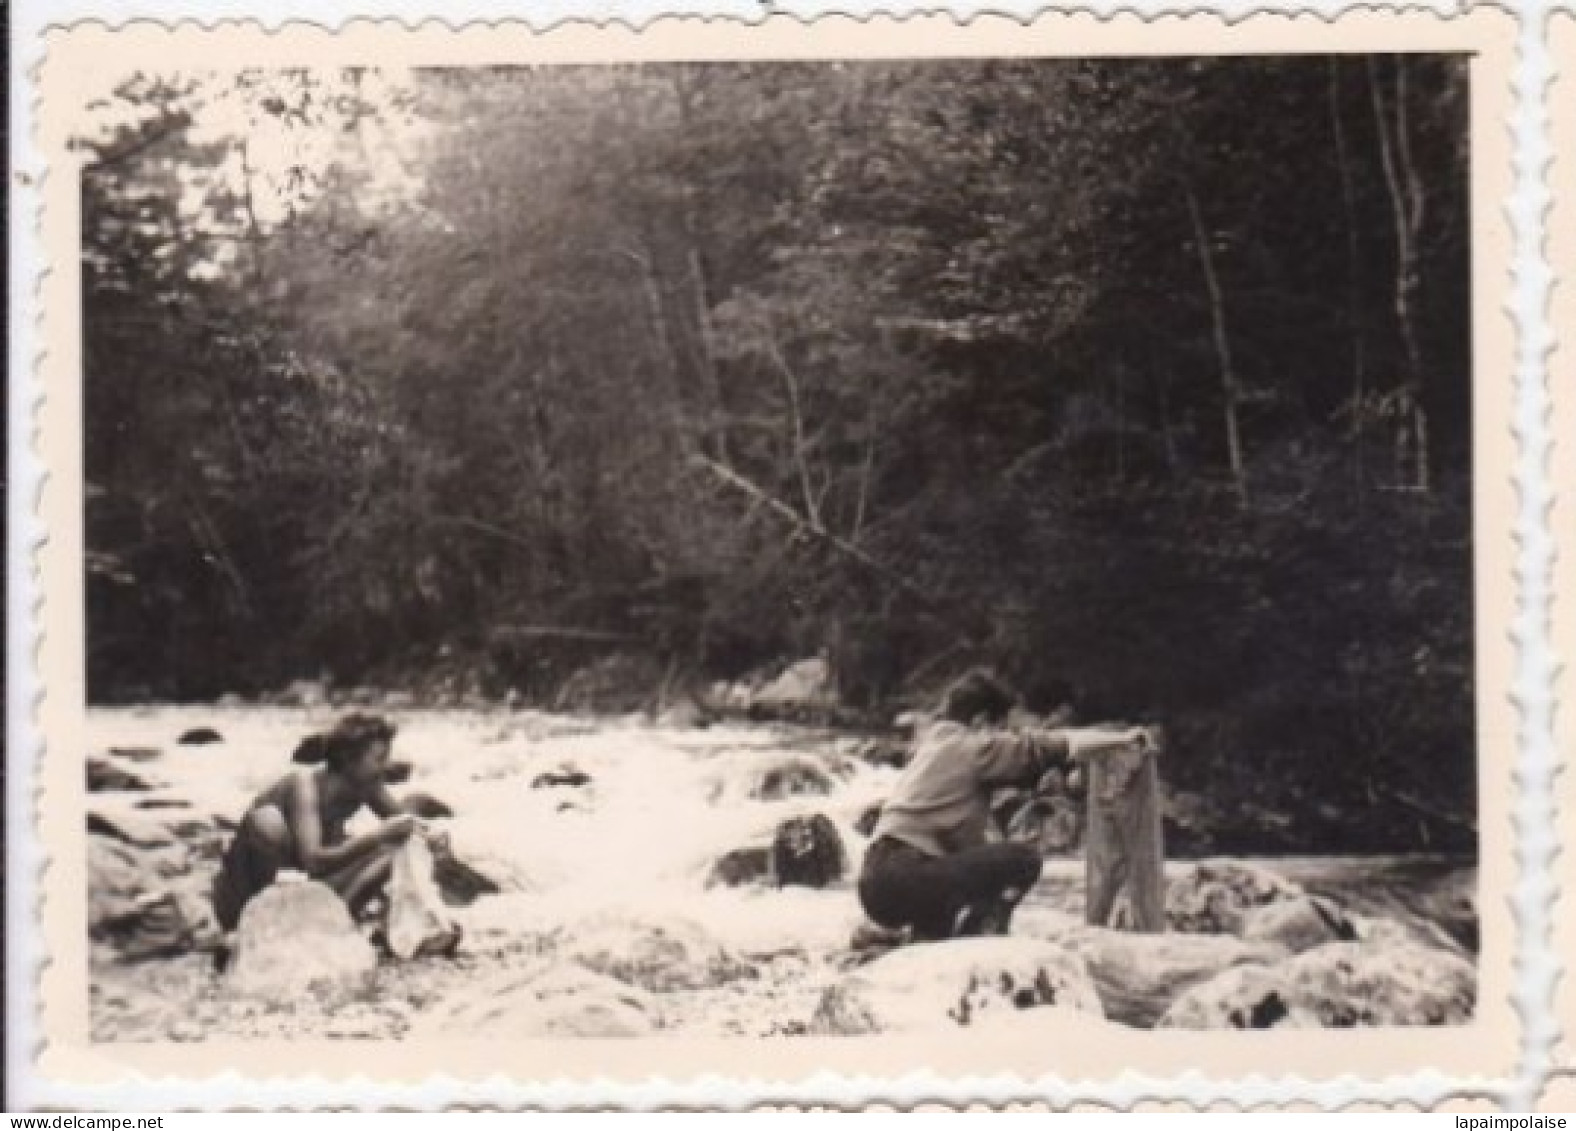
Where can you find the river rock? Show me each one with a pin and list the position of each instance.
(567, 1003)
(808, 851)
(1140, 976)
(1054, 825)
(955, 983)
(887, 752)
(686, 714)
(658, 955)
(1337, 985)
(1384, 932)
(1214, 896)
(104, 776)
(303, 693)
(425, 806)
(1363, 984)
(806, 684)
(119, 874)
(155, 925)
(296, 937)
(869, 817)
(1297, 924)
(1247, 997)
(137, 753)
(567, 776)
(741, 866)
(791, 777)
(116, 877)
(200, 736)
(459, 882)
(127, 824)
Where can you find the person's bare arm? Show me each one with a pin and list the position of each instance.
(307, 826)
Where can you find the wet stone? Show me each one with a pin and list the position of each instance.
(808, 851)
(296, 939)
(104, 776)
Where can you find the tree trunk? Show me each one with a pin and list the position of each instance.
(1354, 322)
(699, 279)
(1231, 393)
(667, 357)
(1408, 199)
(798, 440)
(803, 525)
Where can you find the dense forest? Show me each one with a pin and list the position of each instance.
(1146, 381)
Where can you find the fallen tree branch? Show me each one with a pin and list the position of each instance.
(553, 632)
(811, 527)
(1424, 809)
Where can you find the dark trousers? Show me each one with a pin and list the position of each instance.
(968, 892)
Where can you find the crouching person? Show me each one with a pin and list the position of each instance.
(930, 868)
(298, 823)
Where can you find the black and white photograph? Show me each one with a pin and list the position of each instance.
(780, 550)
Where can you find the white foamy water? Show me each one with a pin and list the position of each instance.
(662, 805)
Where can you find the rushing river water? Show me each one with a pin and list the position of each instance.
(633, 845)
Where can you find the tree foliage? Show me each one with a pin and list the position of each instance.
(1145, 380)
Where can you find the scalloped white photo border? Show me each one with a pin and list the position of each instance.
(1531, 854)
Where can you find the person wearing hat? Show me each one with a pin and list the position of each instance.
(930, 869)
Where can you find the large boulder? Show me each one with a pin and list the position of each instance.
(296, 937)
(955, 983)
(807, 684)
(1351, 983)
(1337, 985)
(660, 955)
(1215, 896)
(1139, 976)
(562, 1003)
